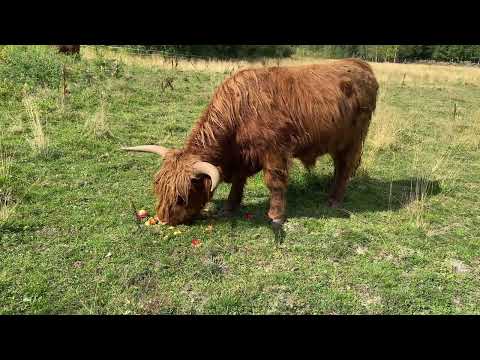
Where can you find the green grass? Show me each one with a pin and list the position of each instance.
(72, 246)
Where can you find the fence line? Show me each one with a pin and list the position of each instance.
(475, 61)
(152, 52)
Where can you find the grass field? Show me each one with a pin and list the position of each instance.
(407, 240)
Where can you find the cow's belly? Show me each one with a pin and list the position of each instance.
(241, 167)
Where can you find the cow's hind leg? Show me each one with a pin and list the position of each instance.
(346, 162)
(276, 178)
(236, 194)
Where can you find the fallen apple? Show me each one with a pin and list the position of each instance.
(141, 214)
(196, 242)
(248, 216)
(152, 221)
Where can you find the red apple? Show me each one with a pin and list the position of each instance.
(142, 214)
(196, 242)
(248, 216)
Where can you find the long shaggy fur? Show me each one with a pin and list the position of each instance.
(262, 118)
(174, 183)
(303, 111)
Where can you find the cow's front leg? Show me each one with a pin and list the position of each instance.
(236, 194)
(276, 179)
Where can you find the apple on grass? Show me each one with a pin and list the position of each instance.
(151, 221)
(141, 214)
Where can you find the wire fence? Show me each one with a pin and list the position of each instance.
(156, 52)
(174, 55)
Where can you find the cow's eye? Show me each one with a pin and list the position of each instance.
(180, 201)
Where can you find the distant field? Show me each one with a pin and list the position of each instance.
(407, 240)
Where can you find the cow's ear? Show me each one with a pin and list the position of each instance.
(207, 183)
(202, 167)
(202, 182)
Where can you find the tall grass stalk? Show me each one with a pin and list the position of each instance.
(97, 125)
(7, 209)
(5, 165)
(39, 141)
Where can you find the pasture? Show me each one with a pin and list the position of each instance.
(406, 241)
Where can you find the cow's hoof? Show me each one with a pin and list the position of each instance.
(227, 212)
(278, 230)
(277, 221)
(230, 207)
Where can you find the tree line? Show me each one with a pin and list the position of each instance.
(381, 53)
(224, 51)
(397, 53)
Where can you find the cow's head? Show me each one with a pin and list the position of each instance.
(182, 186)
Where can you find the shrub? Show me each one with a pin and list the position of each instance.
(32, 65)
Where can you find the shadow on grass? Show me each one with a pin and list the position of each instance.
(307, 197)
(364, 194)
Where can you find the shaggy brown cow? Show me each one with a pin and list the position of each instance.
(69, 49)
(261, 119)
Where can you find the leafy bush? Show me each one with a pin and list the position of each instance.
(31, 65)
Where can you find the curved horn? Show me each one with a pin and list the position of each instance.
(206, 168)
(156, 149)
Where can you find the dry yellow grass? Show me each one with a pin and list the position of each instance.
(5, 165)
(386, 126)
(470, 137)
(426, 170)
(97, 125)
(384, 132)
(416, 204)
(417, 74)
(39, 141)
(16, 124)
(383, 135)
(159, 61)
(7, 209)
(411, 74)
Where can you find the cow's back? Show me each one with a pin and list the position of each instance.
(295, 109)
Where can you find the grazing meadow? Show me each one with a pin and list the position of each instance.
(406, 240)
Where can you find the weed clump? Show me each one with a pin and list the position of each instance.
(36, 66)
(39, 141)
(96, 125)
